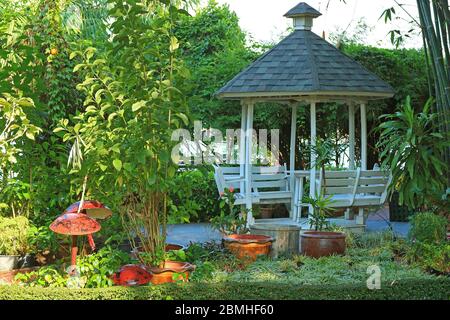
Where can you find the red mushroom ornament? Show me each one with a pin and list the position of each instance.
(75, 224)
(94, 209)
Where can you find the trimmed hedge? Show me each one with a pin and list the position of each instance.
(436, 289)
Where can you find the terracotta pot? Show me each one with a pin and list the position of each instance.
(166, 274)
(248, 246)
(321, 244)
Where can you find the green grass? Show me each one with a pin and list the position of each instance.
(335, 270)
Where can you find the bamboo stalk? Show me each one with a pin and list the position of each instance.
(436, 36)
(442, 94)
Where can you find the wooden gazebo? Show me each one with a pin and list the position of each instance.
(303, 69)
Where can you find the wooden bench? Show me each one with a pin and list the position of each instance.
(269, 184)
(355, 189)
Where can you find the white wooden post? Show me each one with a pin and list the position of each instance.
(363, 137)
(312, 191)
(351, 147)
(293, 150)
(351, 131)
(360, 218)
(242, 147)
(248, 162)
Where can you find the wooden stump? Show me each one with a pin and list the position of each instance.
(287, 238)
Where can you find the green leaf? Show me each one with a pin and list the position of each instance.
(128, 167)
(171, 172)
(73, 55)
(138, 105)
(59, 129)
(25, 102)
(116, 148)
(174, 44)
(78, 67)
(184, 118)
(117, 164)
(29, 135)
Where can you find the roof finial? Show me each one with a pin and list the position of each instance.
(303, 15)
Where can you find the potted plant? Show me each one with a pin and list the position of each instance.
(233, 225)
(13, 241)
(319, 242)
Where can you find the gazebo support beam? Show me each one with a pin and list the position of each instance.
(312, 191)
(242, 146)
(293, 150)
(352, 135)
(360, 218)
(248, 162)
(351, 146)
(363, 136)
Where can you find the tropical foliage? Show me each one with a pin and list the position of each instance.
(433, 23)
(322, 207)
(413, 151)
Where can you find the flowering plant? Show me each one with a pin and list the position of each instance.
(232, 220)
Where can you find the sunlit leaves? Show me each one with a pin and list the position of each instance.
(15, 126)
(138, 105)
(174, 44)
(117, 163)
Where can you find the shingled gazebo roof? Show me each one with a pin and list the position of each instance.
(302, 9)
(304, 64)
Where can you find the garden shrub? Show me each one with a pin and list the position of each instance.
(193, 197)
(431, 257)
(42, 240)
(410, 289)
(429, 248)
(428, 227)
(14, 235)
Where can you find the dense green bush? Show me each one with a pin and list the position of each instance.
(400, 290)
(428, 227)
(193, 197)
(434, 258)
(14, 235)
(429, 247)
